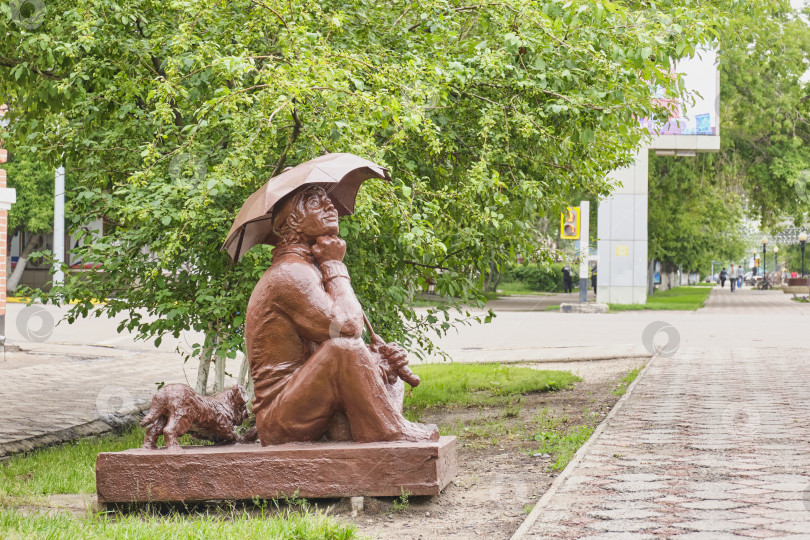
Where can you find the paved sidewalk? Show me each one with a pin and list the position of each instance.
(61, 392)
(722, 300)
(710, 443)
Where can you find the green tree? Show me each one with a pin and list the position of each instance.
(766, 118)
(169, 114)
(33, 211)
(763, 169)
(693, 219)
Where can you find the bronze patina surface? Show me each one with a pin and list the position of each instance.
(313, 375)
(177, 409)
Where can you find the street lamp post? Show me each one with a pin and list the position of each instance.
(802, 242)
(764, 265)
(775, 258)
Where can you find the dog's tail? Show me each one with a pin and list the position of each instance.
(151, 416)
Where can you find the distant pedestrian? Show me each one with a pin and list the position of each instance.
(593, 279)
(723, 277)
(732, 281)
(567, 279)
(740, 277)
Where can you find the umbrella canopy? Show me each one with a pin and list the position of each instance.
(339, 174)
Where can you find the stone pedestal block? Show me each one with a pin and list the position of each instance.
(584, 308)
(247, 471)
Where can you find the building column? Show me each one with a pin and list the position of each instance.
(622, 231)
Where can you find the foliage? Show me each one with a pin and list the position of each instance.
(465, 385)
(765, 110)
(401, 503)
(34, 183)
(536, 277)
(678, 298)
(169, 114)
(693, 217)
(791, 256)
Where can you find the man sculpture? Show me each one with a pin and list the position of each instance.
(314, 377)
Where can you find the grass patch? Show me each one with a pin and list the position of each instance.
(679, 298)
(557, 441)
(481, 385)
(299, 524)
(518, 287)
(480, 432)
(67, 468)
(563, 445)
(625, 382)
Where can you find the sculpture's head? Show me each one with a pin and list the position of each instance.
(237, 399)
(305, 216)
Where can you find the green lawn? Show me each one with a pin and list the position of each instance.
(294, 524)
(680, 298)
(518, 287)
(468, 385)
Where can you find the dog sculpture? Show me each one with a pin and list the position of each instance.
(177, 409)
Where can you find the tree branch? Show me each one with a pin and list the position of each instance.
(10, 63)
(293, 137)
(277, 14)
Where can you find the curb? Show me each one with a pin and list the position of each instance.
(564, 360)
(525, 527)
(99, 426)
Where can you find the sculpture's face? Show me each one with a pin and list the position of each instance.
(321, 219)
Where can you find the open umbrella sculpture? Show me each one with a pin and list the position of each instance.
(339, 174)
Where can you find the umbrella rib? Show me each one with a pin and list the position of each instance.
(239, 245)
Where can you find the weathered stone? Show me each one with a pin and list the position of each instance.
(584, 308)
(309, 470)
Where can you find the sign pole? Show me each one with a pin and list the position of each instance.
(585, 214)
(59, 225)
(7, 198)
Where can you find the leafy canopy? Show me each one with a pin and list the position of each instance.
(170, 113)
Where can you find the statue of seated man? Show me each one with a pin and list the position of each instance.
(314, 377)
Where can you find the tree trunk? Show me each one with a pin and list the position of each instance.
(219, 367)
(243, 372)
(249, 389)
(205, 361)
(488, 278)
(30, 246)
(497, 282)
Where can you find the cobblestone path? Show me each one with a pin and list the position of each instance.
(710, 444)
(44, 393)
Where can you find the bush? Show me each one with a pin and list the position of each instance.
(537, 278)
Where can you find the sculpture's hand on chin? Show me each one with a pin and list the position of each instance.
(329, 248)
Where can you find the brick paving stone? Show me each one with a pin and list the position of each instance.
(712, 443)
(42, 394)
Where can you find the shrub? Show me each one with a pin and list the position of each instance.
(538, 278)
